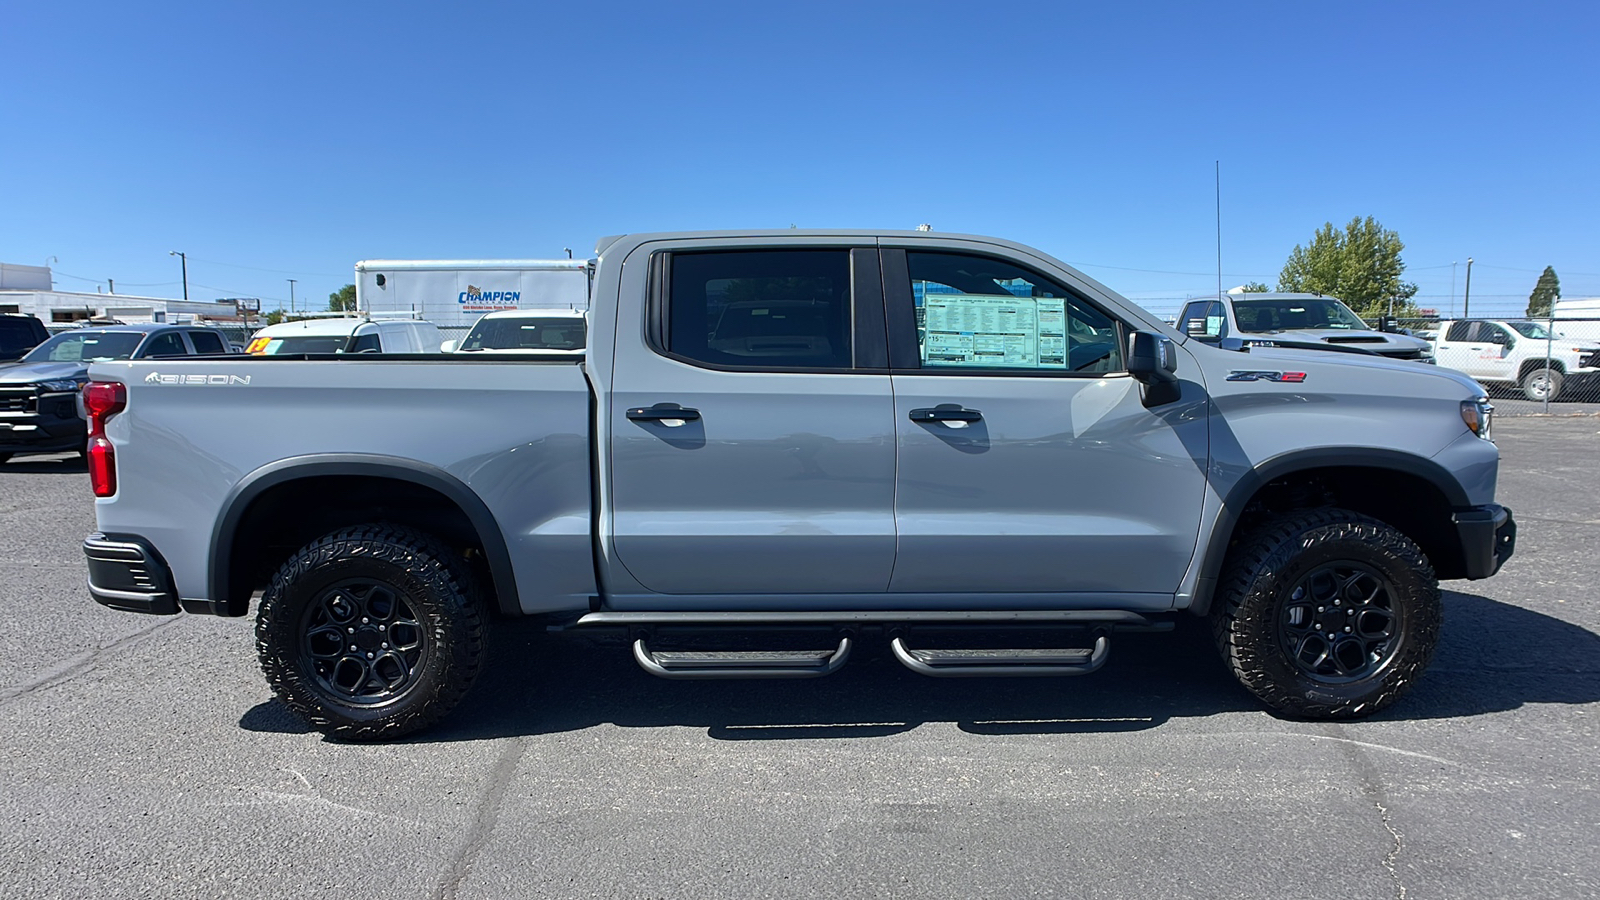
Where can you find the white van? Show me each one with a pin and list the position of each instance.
(560, 331)
(346, 334)
(1580, 309)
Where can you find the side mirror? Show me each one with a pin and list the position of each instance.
(1153, 362)
(448, 346)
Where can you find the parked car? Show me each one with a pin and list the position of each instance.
(39, 394)
(1518, 354)
(346, 334)
(524, 331)
(1294, 319)
(834, 477)
(19, 334)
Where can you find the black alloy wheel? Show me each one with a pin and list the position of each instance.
(363, 641)
(1340, 623)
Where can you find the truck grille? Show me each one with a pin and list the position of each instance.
(18, 399)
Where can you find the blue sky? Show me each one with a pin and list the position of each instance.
(276, 141)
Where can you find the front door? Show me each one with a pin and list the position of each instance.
(752, 430)
(1028, 464)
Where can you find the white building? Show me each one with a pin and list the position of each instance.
(30, 290)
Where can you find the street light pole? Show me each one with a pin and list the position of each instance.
(291, 296)
(1466, 296)
(183, 258)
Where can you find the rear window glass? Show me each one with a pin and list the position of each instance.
(526, 334)
(320, 343)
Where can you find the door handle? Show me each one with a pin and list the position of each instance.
(669, 414)
(948, 412)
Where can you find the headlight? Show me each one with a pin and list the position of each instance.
(60, 387)
(1478, 414)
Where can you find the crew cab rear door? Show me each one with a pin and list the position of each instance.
(751, 422)
(1029, 470)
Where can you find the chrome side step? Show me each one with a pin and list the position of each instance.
(992, 663)
(701, 664)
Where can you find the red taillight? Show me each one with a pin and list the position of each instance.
(101, 401)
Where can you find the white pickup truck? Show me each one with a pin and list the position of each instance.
(1518, 354)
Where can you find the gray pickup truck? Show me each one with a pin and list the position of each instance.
(789, 443)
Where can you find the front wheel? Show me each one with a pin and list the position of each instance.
(1541, 385)
(1327, 614)
(372, 632)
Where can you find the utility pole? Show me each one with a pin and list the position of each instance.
(111, 285)
(1466, 296)
(183, 258)
(1452, 287)
(291, 296)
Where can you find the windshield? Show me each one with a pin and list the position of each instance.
(1265, 316)
(1531, 330)
(526, 334)
(79, 346)
(318, 343)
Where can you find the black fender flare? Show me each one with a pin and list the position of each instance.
(294, 468)
(1273, 468)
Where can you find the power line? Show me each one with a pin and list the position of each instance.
(260, 269)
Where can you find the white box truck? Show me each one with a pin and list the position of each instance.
(1577, 318)
(455, 293)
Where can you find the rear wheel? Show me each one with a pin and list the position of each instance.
(1542, 384)
(1327, 614)
(371, 632)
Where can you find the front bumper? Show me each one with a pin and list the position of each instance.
(126, 573)
(1488, 538)
(48, 423)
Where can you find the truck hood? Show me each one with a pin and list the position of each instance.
(1376, 341)
(1322, 360)
(29, 373)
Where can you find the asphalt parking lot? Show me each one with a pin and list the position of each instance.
(144, 757)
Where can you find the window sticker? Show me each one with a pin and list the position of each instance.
(981, 330)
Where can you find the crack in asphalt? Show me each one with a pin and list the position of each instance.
(1372, 787)
(83, 663)
(484, 821)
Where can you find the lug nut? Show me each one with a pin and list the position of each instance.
(386, 646)
(351, 630)
(369, 656)
(1320, 608)
(1347, 629)
(365, 620)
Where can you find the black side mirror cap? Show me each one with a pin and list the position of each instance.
(1153, 362)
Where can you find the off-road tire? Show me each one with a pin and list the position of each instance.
(1252, 616)
(432, 583)
(1534, 383)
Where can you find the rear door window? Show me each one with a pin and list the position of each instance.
(169, 343)
(764, 309)
(206, 343)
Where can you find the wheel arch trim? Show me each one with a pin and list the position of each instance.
(296, 468)
(1273, 468)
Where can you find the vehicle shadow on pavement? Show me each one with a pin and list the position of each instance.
(1492, 656)
(45, 465)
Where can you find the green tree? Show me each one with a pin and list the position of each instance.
(1360, 264)
(1545, 293)
(343, 300)
(1253, 287)
(273, 317)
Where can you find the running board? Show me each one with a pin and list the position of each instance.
(700, 664)
(993, 663)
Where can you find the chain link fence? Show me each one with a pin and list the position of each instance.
(1528, 366)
